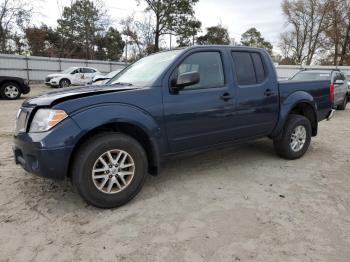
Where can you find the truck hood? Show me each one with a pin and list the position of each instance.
(55, 97)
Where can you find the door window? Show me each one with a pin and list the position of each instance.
(249, 68)
(88, 70)
(208, 65)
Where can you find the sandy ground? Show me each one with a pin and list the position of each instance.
(238, 204)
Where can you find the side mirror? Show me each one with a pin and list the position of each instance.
(339, 82)
(185, 79)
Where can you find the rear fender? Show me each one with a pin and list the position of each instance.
(289, 104)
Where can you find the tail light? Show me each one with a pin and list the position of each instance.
(331, 93)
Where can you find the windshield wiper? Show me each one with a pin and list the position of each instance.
(122, 84)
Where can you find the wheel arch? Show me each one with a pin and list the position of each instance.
(131, 129)
(299, 103)
(6, 81)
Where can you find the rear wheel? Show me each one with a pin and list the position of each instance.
(343, 105)
(295, 139)
(10, 91)
(64, 83)
(109, 170)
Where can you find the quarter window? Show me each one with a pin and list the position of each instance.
(208, 65)
(249, 68)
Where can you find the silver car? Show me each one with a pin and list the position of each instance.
(338, 81)
(347, 76)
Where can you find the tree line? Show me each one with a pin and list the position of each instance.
(318, 31)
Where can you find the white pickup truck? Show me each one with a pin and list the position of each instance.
(73, 76)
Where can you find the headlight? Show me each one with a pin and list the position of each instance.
(45, 119)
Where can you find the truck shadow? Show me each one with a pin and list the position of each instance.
(260, 151)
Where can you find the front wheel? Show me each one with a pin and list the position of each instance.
(109, 170)
(64, 83)
(295, 139)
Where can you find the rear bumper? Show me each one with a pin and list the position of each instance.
(330, 115)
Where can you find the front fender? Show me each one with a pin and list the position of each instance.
(287, 106)
(97, 116)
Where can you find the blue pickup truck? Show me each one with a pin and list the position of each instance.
(108, 138)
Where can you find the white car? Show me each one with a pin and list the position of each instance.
(102, 79)
(73, 76)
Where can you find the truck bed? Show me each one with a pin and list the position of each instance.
(320, 90)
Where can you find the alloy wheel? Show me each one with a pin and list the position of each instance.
(298, 138)
(11, 91)
(113, 171)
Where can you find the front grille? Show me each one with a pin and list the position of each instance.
(47, 79)
(22, 120)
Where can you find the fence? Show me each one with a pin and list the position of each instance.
(37, 68)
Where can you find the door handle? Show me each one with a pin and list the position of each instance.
(268, 92)
(226, 97)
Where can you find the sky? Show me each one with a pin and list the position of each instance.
(236, 15)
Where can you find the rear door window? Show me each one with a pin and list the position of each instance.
(249, 68)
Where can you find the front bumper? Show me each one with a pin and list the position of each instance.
(47, 154)
(50, 163)
(25, 89)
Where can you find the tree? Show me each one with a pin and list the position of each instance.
(308, 21)
(171, 16)
(109, 46)
(80, 24)
(187, 32)
(14, 17)
(216, 35)
(37, 40)
(253, 38)
(337, 32)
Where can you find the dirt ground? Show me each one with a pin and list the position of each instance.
(237, 204)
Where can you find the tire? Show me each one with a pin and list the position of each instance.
(87, 163)
(343, 105)
(64, 83)
(284, 144)
(10, 91)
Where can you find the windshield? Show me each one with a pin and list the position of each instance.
(312, 76)
(146, 70)
(68, 70)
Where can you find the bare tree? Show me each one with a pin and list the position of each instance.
(140, 34)
(308, 21)
(14, 17)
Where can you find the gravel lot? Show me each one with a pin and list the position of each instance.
(237, 204)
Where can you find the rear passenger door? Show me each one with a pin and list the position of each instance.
(257, 98)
